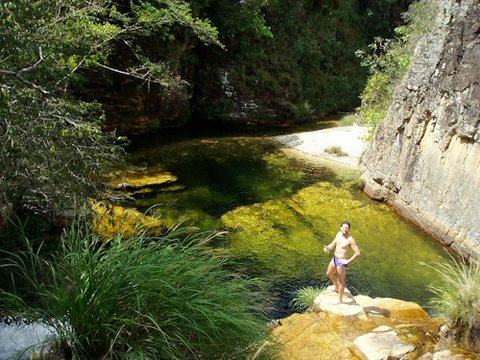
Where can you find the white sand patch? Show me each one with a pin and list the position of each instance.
(348, 138)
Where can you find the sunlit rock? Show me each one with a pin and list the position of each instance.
(328, 301)
(320, 336)
(379, 346)
(425, 154)
(393, 308)
(331, 331)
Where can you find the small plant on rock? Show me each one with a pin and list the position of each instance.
(457, 298)
(336, 150)
(305, 297)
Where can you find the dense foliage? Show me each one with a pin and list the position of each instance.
(52, 145)
(137, 297)
(389, 59)
(296, 58)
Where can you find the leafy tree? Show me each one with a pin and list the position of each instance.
(52, 145)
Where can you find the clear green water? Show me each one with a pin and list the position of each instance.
(280, 212)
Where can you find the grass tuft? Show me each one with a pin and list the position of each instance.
(168, 297)
(457, 298)
(336, 150)
(305, 297)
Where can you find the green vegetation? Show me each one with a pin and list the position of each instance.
(389, 59)
(336, 150)
(295, 56)
(134, 297)
(348, 120)
(169, 296)
(457, 298)
(305, 297)
(52, 145)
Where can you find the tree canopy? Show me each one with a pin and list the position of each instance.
(52, 144)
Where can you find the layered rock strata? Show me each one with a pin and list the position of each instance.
(425, 156)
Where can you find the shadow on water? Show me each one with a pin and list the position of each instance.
(281, 211)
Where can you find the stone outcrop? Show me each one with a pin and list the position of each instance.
(361, 328)
(425, 156)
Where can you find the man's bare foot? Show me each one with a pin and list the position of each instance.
(338, 302)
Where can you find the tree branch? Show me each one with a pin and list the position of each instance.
(18, 74)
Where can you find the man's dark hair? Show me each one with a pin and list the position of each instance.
(347, 223)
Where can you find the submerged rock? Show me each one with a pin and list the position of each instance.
(110, 220)
(136, 178)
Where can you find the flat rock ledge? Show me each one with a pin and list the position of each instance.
(362, 328)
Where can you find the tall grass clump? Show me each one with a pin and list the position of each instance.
(305, 297)
(166, 297)
(457, 298)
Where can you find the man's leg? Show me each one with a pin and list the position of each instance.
(341, 275)
(331, 274)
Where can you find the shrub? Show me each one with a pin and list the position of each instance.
(167, 297)
(305, 297)
(336, 150)
(457, 297)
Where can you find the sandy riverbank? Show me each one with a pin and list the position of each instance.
(312, 144)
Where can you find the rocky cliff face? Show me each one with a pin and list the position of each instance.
(425, 156)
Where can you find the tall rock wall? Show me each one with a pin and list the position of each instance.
(425, 156)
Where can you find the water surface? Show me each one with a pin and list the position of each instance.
(281, 211)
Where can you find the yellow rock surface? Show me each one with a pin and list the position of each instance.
(110, 220)
(319, 336)
(395, 309)
(140, 177)
(328, 334)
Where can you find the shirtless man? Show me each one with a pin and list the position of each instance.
(342, 243)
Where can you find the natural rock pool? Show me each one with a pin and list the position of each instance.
(280, 211)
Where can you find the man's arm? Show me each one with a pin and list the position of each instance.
(355, 248)
(330, 246)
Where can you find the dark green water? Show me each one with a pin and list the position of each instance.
(280, 212)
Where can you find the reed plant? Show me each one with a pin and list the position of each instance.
(457, 298)
(305, 297)
(168, 297)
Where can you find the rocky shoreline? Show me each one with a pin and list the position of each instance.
(363, 328)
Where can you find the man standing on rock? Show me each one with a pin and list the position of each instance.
(342, 243)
